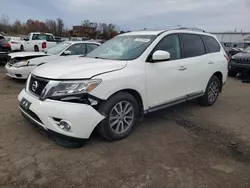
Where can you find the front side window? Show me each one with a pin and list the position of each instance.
(91, 47)
(171, 44)
(77, 49)
(192, 45)
(58, 48)
(124, 47)
(49, 38)
(211, 44)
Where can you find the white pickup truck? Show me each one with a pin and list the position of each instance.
(38, 41)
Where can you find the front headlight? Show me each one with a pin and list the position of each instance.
(66, 88)
(21, 64)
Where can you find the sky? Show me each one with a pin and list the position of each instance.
(210, 15)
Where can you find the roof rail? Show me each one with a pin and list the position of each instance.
(192, 29)
(184, 28)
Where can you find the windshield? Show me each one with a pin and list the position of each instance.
(247, 50)
(58, 48)
(126, 47)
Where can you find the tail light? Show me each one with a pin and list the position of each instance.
(227, 57)
(43, 45)
(6, 45)
(12, 42)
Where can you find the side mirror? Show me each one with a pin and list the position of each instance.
(26, 39)
(67, 52)
(160, 55)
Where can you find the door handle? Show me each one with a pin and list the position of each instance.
(182, 68)
(211, 62)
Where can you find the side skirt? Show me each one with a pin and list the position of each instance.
(175, 102)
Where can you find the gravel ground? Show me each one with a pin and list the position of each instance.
(183, 146)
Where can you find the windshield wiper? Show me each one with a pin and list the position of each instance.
(99, 58)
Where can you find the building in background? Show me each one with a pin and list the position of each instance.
(234, 39)
(82, 31)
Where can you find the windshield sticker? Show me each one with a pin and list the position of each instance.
(142, 40)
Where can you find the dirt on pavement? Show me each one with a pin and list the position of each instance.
(184, 146)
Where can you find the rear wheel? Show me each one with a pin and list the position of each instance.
(121, 111)
(212, 92)
(36, 49)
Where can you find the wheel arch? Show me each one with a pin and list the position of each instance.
(137, 97)
(219, 75)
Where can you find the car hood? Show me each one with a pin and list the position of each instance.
(242, 56)
(26, 54)
(77, 68)
(42, 60)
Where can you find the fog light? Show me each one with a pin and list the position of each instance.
(64, 125)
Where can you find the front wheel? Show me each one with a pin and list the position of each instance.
(212, 92)
(121, 111)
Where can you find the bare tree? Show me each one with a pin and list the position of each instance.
(60, 26)
(4, 23)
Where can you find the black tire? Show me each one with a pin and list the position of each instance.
(36, 49)
(205, 99)
(68, 144)
(22, 48)
(104, 128)
(232, 73)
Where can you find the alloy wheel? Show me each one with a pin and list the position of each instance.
(213, 91)
(121, 117)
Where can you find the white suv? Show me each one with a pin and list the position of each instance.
(125, 78)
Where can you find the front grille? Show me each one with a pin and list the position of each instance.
(243, 60)
(37, 85)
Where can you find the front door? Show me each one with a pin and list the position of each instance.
(167, 80)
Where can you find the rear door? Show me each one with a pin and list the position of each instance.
(215, 53)
(194, 53)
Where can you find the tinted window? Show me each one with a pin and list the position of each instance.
(91, 47)
(211, 44)
(171, 44)
(42, 37)
(192, 45)
(77, 49)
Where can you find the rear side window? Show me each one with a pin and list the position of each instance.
(211, 44)
(192, 45)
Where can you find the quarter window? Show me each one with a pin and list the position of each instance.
(211, 44)
(192, 45)
(171, 44)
